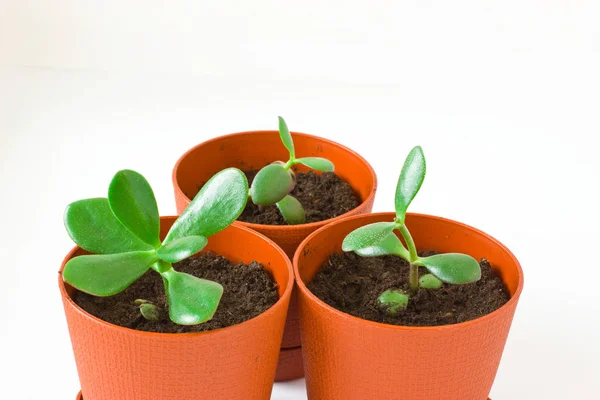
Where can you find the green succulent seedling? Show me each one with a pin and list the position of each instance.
(380, 239)
(123, 231)
(148, 310)
(273, 183)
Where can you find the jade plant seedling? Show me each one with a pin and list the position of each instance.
(123, 231)
(379, 239)
(273, 183)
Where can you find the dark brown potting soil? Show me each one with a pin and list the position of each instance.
(323, 196)
(352, 284)
(248, 290)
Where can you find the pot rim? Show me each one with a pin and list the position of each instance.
(286, 294)
(282, 228)
(304, 289)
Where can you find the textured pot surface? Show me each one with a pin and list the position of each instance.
(254, 150)
(350, 358)
(237, 362)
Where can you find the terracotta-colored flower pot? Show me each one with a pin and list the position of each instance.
(351, 358)
(254, 150)
(237, 362)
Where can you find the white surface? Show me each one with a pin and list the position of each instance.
(502, 95)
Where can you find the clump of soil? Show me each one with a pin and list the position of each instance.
(249, 290)
(323, 196)
(352, 284)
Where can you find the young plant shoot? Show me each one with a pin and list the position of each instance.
(273, 183)
(123, 231)
(380, 239)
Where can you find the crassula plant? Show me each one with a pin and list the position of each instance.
(380, 239)
(273, 183)
(123, 231)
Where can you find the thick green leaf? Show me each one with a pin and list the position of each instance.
(318, 163)
(191, 300)
(390, 245)
(93, 226)
(271, 184)
(179, 249)
(428, 281)
(286, 137)
(367, 236)
(453, 268)
(291, 210)
(410, 181)
(393, 301)
(220, 201)
(132, 201)
(107, 274)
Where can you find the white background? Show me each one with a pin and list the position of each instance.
(504, 97)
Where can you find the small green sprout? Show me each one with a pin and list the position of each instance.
(148, 310)
(393, 301)
(273, 183)
(123, 230)
(380, 239)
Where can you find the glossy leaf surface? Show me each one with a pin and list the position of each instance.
(271, 184)
(220, 201)
(389, 245)
(291, 210)
(286, 137)
(410, 181)
(191, 300)
(132, 201)
(367, 236)
(429, 281)
(317, 163)
(453, 268)
(107, 274)
(179, 249)
(93, 226)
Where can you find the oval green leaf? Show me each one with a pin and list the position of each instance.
(93, 226)
(286, 137)
(132, 201)
(390, 245)
(428, 281)
(410, 181)
(291, 210)
(191, 300)
(271, 184)
(220, 201)
(318, 163)
(393, 301)
(367, 236)
(179, 249)
(452, 268)
(107, 274)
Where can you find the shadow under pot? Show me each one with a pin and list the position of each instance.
(251, 151)
(350, 358)
(235, 362)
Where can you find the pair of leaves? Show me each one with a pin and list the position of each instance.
(378, 239)
(124, 231)
(316, 163)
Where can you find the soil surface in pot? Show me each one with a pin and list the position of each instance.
(352, 284)
(323, 196)
(249, 290)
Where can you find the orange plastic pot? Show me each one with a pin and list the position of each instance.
(254, 150)
(350, 358)
(237, 362)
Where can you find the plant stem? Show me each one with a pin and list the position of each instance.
(413, 281)
(289, 164)
(412, 249)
